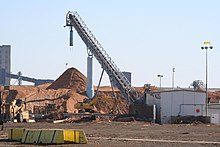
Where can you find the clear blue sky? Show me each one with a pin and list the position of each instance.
(145, 37)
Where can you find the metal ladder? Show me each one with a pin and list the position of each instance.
(119, 79)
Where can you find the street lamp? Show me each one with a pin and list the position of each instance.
(160, 76)
(207, 45)
(173, 78)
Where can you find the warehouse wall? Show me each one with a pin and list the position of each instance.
(181, 103)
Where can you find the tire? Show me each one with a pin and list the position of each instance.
(19, 117)
(92, 111)
(81, 111)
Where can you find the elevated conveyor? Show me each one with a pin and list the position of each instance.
(74, 20)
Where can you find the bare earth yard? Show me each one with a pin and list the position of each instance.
(130, 134)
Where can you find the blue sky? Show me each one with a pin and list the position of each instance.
(144, 37)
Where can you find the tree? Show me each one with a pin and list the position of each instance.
(198, 85)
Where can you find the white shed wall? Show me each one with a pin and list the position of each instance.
(183, 103)
(214, 116)
(214, 113)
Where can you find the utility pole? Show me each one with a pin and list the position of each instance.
(207, 45)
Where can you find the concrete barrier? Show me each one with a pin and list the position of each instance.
(38, 136)
(15, 134)
(47, 136)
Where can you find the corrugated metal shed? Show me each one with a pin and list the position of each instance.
(177, 102)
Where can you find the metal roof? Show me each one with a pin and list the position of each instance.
(177, 90)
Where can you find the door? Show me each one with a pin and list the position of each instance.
(214, 118)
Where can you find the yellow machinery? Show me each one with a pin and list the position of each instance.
(88, 105)
(12, 110)
(16, 111)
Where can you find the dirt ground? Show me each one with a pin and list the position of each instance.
(110, 134)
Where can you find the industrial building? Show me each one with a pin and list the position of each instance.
(179, 102)
(5, 70)
(5, 64)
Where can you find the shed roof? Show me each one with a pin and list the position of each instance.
(177, 90)
(214, 106)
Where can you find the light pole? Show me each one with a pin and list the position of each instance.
(207, 45)
(173, 78)
(160, 76)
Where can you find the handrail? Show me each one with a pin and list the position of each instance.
(73, 19)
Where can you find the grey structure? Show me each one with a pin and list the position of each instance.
(5, 64)
(74, 20)
(127, 75)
